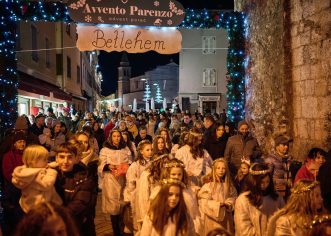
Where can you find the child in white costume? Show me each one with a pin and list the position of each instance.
(197, 161)
(35, 179)
(254, 208)
(217, 198)
(294, 219)
(135, 170)
(168, 215)
(175, 169)
(147, 182)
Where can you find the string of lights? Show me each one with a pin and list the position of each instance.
(13, 11)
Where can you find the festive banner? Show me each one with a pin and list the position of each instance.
(127, 12)
(132, 40)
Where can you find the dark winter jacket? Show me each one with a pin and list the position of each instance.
(216, 147)
(78, 192)
(280, 168)
(237, 148)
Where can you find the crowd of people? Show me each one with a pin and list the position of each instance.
(158, 173)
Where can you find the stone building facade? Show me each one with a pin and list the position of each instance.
(288, 84)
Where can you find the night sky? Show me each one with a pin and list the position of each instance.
(141, 62)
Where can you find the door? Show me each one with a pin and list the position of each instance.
(209, 107)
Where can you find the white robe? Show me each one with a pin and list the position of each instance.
(168, 230)
(130, 192)
(112, 186)
(198, 167)
(191, 203)
(252, 221)
(211, 196)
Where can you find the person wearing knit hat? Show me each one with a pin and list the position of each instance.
(279, 163)
(19, 135)
(241, 146)
(11, 195)
(21, 123)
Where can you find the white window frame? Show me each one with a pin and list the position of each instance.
(209, 77)
(208, 45)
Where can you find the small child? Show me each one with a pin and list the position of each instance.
(175, 169)
(217, 198)
(148, 180)
(35, 179)
(143, 160)
(242, 173)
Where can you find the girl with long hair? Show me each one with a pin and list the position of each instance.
(182, 141)
(114, 161)
(164, 132)
(295, 218)
(168, 214)
(197, 161)
(254, 207)
(217, 198)
(130, 144)
(133, 174)
(218, 141)
(159, 146)
(149, 179)
(175, 169)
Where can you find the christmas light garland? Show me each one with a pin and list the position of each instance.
(13, 11)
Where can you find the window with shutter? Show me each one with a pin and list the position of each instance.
(209, 45)
(209, 77)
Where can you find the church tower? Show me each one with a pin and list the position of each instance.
(124, 75)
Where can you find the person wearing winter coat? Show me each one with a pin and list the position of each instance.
(76, 188)
(217, 142)
(254, 207)
(11, 195)
(114, 162)
(35, 179)
(241, 146)
(279, 163)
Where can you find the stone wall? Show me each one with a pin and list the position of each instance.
(288, 82)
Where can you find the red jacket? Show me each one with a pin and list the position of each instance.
(11, 160)
(304, 173)
(109, 126)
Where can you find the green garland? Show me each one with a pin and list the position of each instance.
(15, 10)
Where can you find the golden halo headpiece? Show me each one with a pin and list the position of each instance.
(173, 164)
(307, 188)
(258, 172)
(319, 219)
(173, 181)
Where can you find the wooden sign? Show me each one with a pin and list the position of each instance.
(132, 40)
(165, 13)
